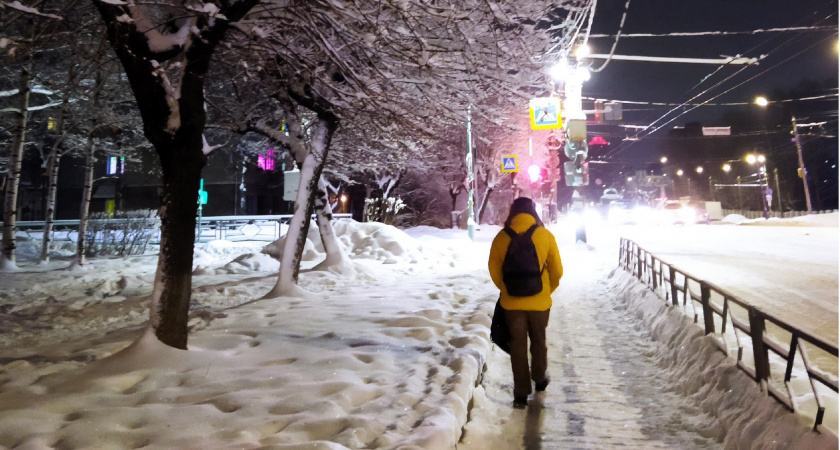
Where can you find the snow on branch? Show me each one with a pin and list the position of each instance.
(28, 10)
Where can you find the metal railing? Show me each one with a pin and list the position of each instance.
(220, 227)
(718, 307)
(774, 213)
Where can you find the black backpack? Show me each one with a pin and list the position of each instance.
(521, 269)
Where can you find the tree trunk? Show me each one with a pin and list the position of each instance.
(52, 185)
(173, 281)
(310, 174)
(453, 194)
(336, 256)
(13, 179)
(483, 206)
(174, 124)
(84, 210)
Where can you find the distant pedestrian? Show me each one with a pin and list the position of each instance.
(526, 292)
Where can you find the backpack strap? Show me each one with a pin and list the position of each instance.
(531, 230)
(513, 234)
(510, 232)
(530, 234)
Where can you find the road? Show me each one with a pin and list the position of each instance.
(788, 272)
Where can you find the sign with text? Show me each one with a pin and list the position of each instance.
(545, 113)
(509, 164)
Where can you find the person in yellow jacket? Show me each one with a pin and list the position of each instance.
(527, 317)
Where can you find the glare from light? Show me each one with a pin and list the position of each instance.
(679, 172)
(699, 169)
(582, 51)
(664, 159)
(583, 73)
(629, 179)
(761, 159)
(727, 168)
(343, 198)
(534, 172)
(761, 101)
(751, 159)
(560, 71)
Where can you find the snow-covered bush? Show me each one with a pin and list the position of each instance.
(124, 233)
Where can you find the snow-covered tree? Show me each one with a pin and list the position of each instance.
(415, 66)
(165, 49)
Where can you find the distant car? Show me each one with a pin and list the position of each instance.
(700, 213)
(676, 213)
(622, 213)
(610, 195)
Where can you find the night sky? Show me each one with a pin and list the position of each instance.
(792, 56)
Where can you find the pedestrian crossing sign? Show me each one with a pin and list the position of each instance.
(509, 164)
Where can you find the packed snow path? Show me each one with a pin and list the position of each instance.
(605, 390)
(385, 353)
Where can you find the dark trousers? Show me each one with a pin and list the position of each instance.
(524, 325)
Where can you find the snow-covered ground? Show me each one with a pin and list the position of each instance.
(396, 353)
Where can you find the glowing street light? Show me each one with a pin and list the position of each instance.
(761, 101)
(680, 172)
(726, 168)
(582, 51)
(663, 160)
(762, 176)
(534, 173)
(699, 169)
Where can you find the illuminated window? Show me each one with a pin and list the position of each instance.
(266, 161)
(115, 165)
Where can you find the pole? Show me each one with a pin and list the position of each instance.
(762, 182)
(711, 190)
(779, 193)
(803, 173)
(470, 179)
(198, 234)
(740, 202)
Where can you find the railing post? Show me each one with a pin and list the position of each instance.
(621, 251)
(673, 272)
(639, 263)
(708, 314)
(653, 269)
(762, 363)
(794, 341)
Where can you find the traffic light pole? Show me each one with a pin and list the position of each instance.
(470, 179)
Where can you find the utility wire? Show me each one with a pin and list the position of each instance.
(714, 33)
(617, 36)
(620, 149)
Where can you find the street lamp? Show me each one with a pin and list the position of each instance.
(803, 173)
(762, 176)
(726, 168)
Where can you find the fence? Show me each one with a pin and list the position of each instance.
(779, 214)
(751, 328)
(209, 227)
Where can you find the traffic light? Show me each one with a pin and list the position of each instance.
(534, 173)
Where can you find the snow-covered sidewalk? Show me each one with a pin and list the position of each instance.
(628, 373)
(393, 354)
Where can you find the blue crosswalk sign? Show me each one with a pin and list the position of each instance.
(509, 164)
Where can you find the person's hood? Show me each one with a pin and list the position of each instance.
(521, 222)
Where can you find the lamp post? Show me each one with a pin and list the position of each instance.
(762, 176)
(803, 173)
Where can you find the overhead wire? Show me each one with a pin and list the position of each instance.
(617, 37)
(623, 147)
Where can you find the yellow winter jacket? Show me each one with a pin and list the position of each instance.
(548, 255)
